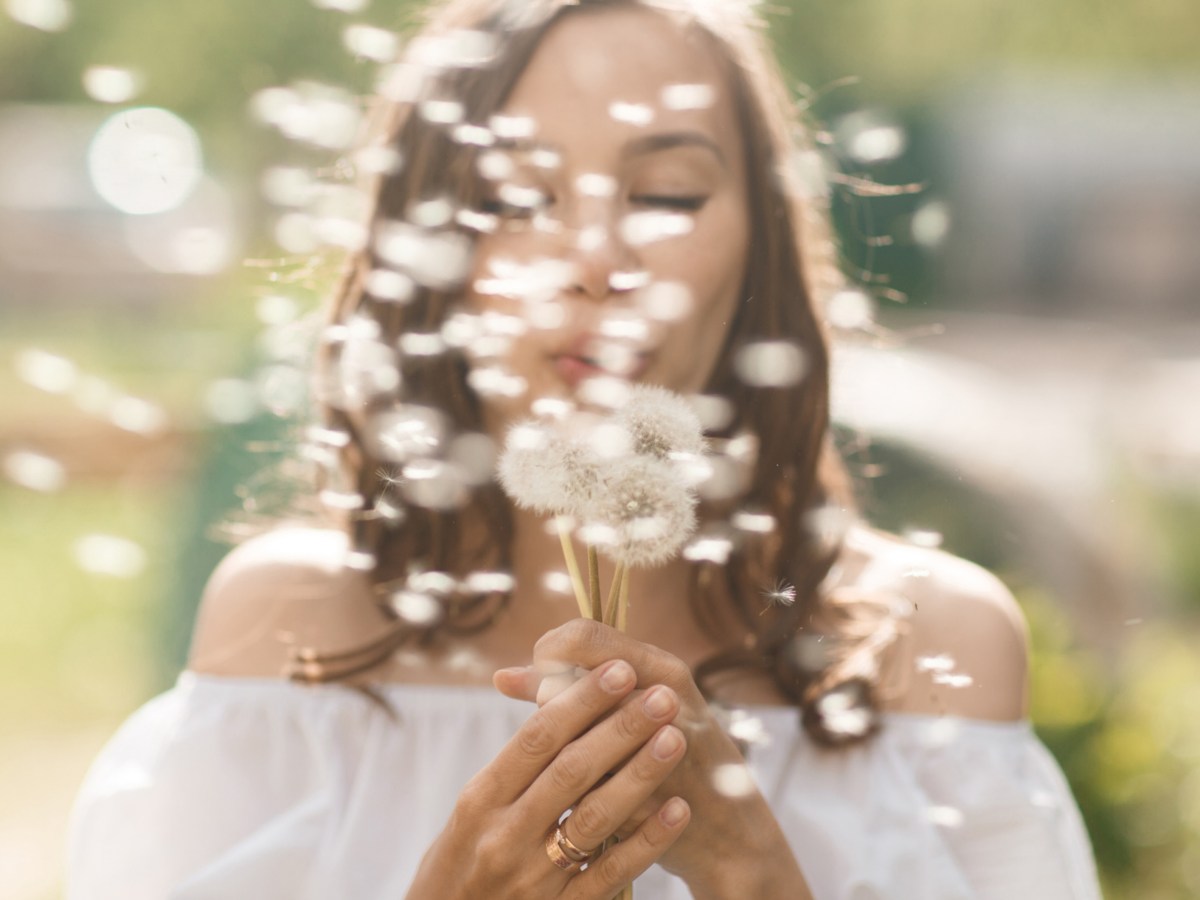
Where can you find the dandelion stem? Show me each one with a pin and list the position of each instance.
(623, 609)
(564, 534)
(610, 610)
(594, 583)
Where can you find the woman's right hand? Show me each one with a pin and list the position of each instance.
(494, 843)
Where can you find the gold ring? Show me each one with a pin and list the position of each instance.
(569, 848)
(562, 852)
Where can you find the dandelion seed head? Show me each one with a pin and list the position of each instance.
(661, 422)
(649, 510)
(782, 594)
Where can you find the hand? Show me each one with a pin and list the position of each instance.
(734, 843)
(493, 845)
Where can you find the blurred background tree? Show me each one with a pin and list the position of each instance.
(1046, 264)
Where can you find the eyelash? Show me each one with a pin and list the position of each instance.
(686, 203)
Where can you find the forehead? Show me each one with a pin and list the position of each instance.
(601, 76)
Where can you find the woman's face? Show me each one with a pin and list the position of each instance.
(622, 214)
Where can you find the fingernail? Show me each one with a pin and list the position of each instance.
(674, 812)
(666, 744)
(617, 676)
(657, 703)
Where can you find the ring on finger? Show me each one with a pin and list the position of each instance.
(562, 852)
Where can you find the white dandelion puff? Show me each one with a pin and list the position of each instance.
(650, 511)
(661, 423)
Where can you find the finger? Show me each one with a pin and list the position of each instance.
(545, 733)
(602, 811)
(519, 682)
(623, 862)
(587, 643)
(583, 762)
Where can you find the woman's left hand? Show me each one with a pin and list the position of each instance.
(733, 844)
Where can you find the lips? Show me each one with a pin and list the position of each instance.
(585, 357)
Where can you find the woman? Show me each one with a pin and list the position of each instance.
(623, 171)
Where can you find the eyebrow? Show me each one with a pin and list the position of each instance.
(668, 140)
(650, 143)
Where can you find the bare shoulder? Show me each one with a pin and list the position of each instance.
(966, 651)
(284, 586)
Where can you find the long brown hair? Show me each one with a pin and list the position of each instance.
(791, 267)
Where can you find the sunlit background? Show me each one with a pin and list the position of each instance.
(1024, 388)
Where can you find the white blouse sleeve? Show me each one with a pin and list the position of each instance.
(1001, 807)
(200, 799)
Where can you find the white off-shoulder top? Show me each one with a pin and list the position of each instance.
(240, 788)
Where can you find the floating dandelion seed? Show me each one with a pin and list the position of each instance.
(631, 113)
(939, 663)
(782, 594)
(945, 816)
(641, 228)
(953, 679)
(733, 780)
(770, 364)
(110, 84)
(107, 554)
(688, 96)
(34, 471)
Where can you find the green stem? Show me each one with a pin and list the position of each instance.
(564, 534)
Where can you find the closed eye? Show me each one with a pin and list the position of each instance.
(681, 202)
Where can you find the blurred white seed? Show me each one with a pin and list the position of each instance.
(347, 6)
(512, 127)
(558, 583)
(940, 663)
(276, 309)
(431, 213)
(923, 537)
(473, 135)
(489, 583)
(378, 160)
(688, 96)
(111, 84)
(45, 15)
(416, 608)
(945, 816)
(733, 780)
(369, 42)
(930, 224)
(629, 280)
(491, 381)
(389, 286)
(592, 184)
(664, 301)
(631, 113)
(138, 415)
(107, 554)
(753, 522)
(288, 186)
(641, 228)
(230, 401)
(441, 112)
(770, 364)
(475, 456)
(850, 309)
(415, 343)
(34, 471)
(709, 549)
(45, 371)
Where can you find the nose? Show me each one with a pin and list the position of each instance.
(596, 252)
